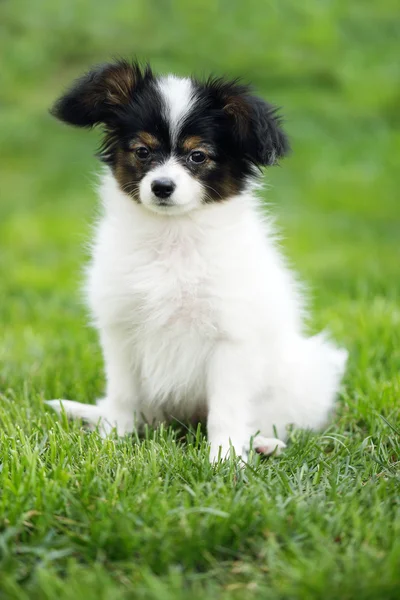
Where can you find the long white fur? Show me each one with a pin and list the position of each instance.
(199, 314)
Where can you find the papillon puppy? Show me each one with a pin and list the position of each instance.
(199, 316)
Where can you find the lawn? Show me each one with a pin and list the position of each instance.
(82, 518)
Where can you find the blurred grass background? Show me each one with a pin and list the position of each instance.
(333, 65)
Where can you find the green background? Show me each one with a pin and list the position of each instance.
(80, 518)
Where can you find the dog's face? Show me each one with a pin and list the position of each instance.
(175, 144)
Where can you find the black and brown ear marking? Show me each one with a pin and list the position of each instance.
(256, 124)
(231, 95)
(269, 141)
(238, 108)
(94, 97)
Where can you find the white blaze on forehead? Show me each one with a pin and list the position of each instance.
(178, 95)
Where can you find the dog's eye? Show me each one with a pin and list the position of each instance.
(197, 157)
(142, 153)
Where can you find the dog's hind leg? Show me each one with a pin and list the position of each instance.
(303, 385)
(104, 414)
(76, 410)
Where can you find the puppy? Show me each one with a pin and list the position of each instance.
(197, 312)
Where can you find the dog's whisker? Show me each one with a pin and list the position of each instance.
(130, 187)
(212, 189)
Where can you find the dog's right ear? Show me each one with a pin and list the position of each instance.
(95, 97)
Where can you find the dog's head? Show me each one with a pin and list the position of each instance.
(175, 144)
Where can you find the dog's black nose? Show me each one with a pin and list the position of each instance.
(162, 188)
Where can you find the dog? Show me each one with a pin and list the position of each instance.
(198, 313)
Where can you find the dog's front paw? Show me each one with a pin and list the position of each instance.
(267, 446)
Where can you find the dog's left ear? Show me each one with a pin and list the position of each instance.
(256, 124)
(95, 97)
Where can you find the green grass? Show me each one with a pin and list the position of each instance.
(81, 518)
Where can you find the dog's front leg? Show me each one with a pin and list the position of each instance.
(231, 388)
(120, 407)
(236, 379)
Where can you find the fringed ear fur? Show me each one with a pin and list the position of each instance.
(256, 124)
(94, 97)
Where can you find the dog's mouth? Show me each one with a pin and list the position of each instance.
(168, 207)
(164, 202)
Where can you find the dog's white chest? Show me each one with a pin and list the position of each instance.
(163, 300)
(173, 291)
(174, 322)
